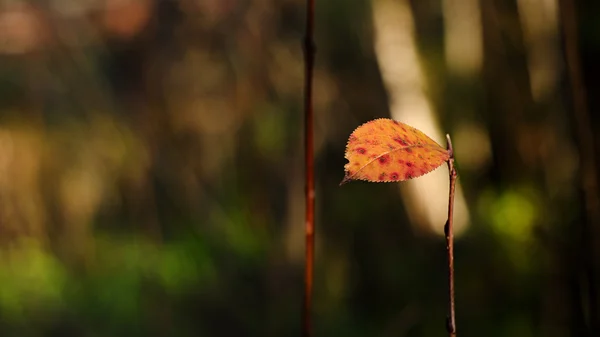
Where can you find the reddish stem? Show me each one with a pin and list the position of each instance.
(309, 57)
(448, 229)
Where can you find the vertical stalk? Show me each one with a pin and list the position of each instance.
(309, 57)
(448, 230)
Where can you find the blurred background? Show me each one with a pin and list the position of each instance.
(151, 167)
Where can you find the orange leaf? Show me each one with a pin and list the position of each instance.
(384, 150)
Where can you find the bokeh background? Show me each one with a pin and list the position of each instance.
(151, 167)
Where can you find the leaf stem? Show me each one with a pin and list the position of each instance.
(448, 230)
(309, 57)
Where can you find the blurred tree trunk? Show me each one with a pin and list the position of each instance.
(508, 97)
(588, 225)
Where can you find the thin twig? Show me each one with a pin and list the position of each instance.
(309, 57)
(588, 164)
(448, 229)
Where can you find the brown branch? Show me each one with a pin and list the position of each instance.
(448, 230)
(588, 168)
(309, 59)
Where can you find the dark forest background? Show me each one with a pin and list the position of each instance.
(151, 167)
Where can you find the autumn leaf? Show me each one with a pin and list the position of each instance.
(385, 150)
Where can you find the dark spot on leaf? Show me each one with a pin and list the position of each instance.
(394, 176)
(384, 159)
(400, 141)
(400, 161)
(391, 147)
(420, 156)
(409, 150)
(409, 175)
(382, 176)
(409, 164)
(361, 150)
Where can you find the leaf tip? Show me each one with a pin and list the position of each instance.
(345, 180)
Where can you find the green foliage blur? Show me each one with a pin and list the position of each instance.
(151, 170)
